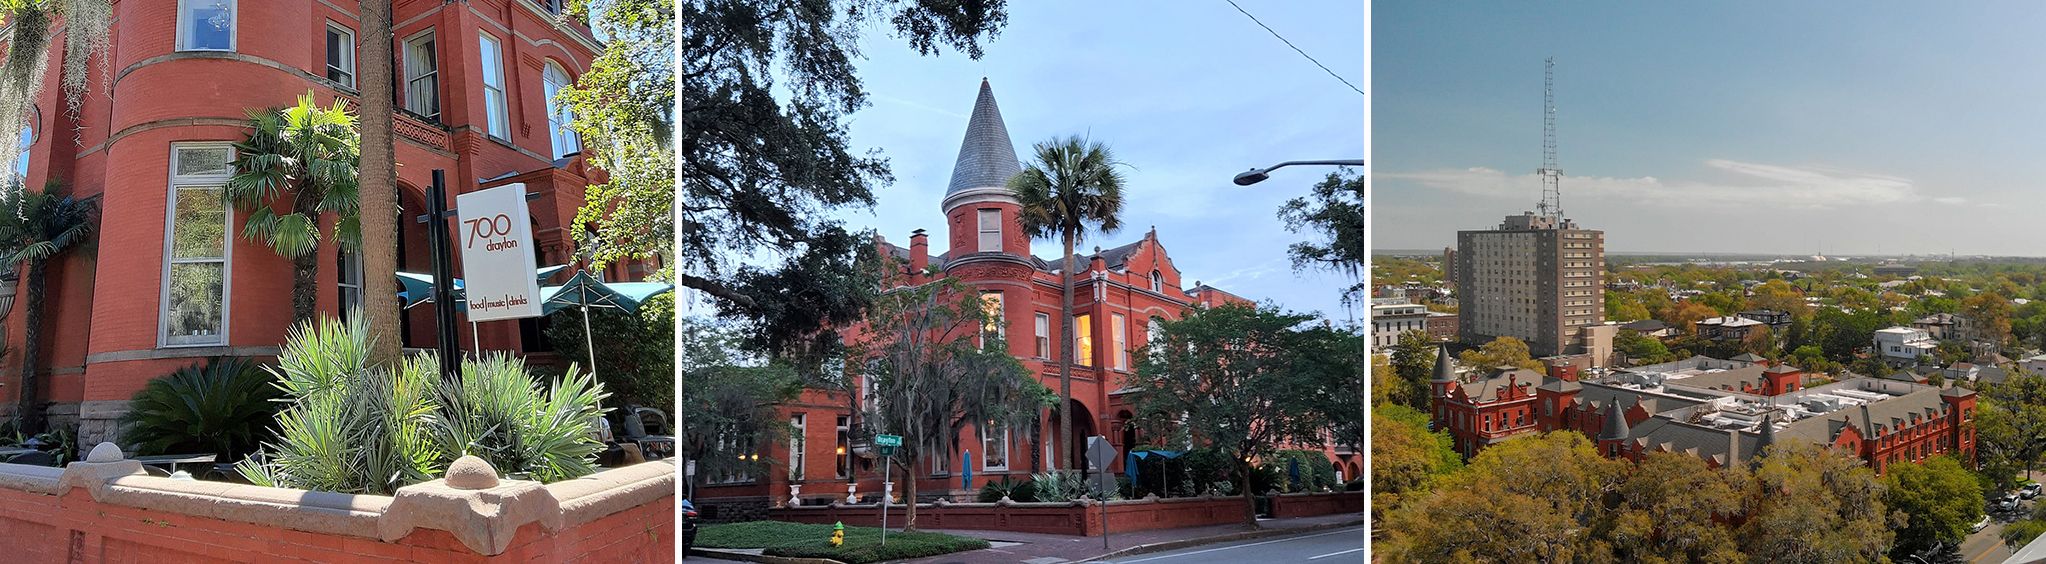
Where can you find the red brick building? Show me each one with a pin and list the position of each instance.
(1724, 411)
(1120, 294)
(474, 83)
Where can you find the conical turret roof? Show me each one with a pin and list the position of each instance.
(1616, 423)
(987, 159)
(1443, 371)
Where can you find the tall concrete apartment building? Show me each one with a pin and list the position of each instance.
(1536, 278)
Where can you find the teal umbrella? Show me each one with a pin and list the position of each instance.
(415, 288)
(583, 292)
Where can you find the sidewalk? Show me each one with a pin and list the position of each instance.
(1029, 548)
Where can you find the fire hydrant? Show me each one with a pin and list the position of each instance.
(838, 535)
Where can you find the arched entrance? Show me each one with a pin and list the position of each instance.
(1083, 427)
(415, 326)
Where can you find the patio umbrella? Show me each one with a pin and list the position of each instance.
(583, 292)
(415, 288)
(966, 470)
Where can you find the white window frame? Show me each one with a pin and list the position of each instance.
(991, 303)
(497, 116)
(1083, 340)
(797, 443)
(990, 228)
(233, 25)
(1043, 335)
(405, 55)
(1118, 326)
(347, 60)
(30, 134)
(348, 278)
(1157, 281)
(986, 459)
(226, 260)
(559, 136)
(842, 464)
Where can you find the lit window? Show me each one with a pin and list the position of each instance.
(340, 55)
(553, 79)
(422, 76)
(843, 459)
(994, 444)
(1122, 349)
(194, 310)
(1083, 340)
(206, 25)
(990, 230)
(992, 334)
(493, 87)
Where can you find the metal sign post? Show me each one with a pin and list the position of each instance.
(887, 444)
(447, 344)
(1099, 453)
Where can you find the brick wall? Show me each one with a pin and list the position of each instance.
(1073, 519)
(103, 512)
(1309, 504)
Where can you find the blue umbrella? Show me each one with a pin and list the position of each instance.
(415, 288)
(966, 470)
(1129, 465)
(1293, 472)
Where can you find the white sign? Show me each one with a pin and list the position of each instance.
(498, 267)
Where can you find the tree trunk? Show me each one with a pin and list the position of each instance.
(29, 412)
(378, 185)
(1249, 497)
(908, 495)
(1061, 435)
(305, 268)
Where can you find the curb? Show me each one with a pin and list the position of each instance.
(1246, 535)
(762, 558)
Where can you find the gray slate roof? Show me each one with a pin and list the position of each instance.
(1488, 389)
(986, 157)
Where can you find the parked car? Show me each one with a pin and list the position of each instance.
(1979, 525)
(2029, 491)
(688, 525)
(2009, 502)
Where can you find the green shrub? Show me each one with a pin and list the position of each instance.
(1316, 471)
(1021, 491)
(225, 407)
(862, 544)
(353, 428)
(636, 362)
(1057, 486)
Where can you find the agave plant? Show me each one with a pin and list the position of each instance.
(498, 412)
(355, 428)
(224, 407)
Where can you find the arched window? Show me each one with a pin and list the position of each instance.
(28, 139)
(558, 116)
(1157, 281)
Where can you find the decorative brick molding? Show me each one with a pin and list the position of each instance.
(105, 502)
(418, 130)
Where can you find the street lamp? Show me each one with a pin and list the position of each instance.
(1256, 175)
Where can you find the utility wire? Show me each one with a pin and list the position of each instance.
(1296, 49)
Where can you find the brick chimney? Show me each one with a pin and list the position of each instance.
(919, 251)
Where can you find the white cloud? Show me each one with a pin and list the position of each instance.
(1753, 184)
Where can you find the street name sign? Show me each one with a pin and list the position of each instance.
(496, 237)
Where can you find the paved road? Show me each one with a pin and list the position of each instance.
(1324, 547)
(1987, 545)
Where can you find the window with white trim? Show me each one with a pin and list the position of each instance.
(1083, 340)
(195, 274)
(28, 141)
(553, 80)
(492, 53)
(1157, 281)
(340, 54)
(992, 333)
(206, 25)
(796, 442)
(1122, 350)
(348, 278)
(990, 230)
(1043, 335)
(843, 458)
(422, 76)
(994, 445)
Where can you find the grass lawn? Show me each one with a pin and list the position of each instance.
(862, 544)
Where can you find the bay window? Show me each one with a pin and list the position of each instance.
(195, 274)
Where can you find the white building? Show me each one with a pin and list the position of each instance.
(1389, 321)
(1904, 344)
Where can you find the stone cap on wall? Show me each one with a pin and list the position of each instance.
(478, 508)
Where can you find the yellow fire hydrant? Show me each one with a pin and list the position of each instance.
(838, 535)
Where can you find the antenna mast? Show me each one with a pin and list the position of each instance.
(1552, 177)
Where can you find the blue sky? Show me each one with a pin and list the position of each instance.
(1187, 93)
(1717, 127)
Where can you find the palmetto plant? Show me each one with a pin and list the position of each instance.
(352, 427)
(1073, 186)
(224, 407)
(36, 228)
(303, 158)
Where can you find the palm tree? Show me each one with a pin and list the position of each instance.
(1071, 187)
(35, 228)
(308, 154)
(379, 185)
